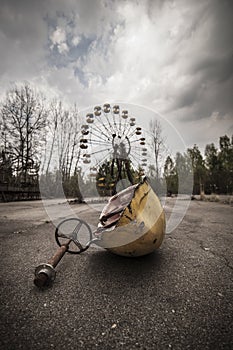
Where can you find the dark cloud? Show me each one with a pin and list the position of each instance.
(22, 39)
(207, 62)
(210, 88)
(183, 62)
(217, 69)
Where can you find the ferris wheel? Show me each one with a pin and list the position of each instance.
(113, 146)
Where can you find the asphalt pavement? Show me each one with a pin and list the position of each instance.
(180, 297)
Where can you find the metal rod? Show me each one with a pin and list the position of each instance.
(45, 273)
(54, 260)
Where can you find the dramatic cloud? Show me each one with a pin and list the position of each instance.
(172, 56)
(58, 39)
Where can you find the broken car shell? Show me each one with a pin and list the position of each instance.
(133, 222)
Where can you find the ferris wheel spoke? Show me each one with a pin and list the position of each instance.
(101, 131)
(126, 128)
(142, 158)
(98, 162)
(114, 123)
(93, 141)
(138, 148)
(135, 157)
(136, 164)
(105, 114)
(100, 134)
(100, 142)
(103, 124)
(110, 125)
(101, 151)
(138, 157)
(131, 134)
(137, 140)
(120, 125)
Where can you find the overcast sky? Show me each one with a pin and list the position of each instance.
(175, 57)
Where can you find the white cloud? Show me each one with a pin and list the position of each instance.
(76, 40)
(58, 39)
(62, 48)
(58, 36)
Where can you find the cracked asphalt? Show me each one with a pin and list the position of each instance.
(180, 297)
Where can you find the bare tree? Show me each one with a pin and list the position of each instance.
(62, 146)
(69, 154)
(24, 119)
(53, 116)
(157, 144)
(75, 151)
